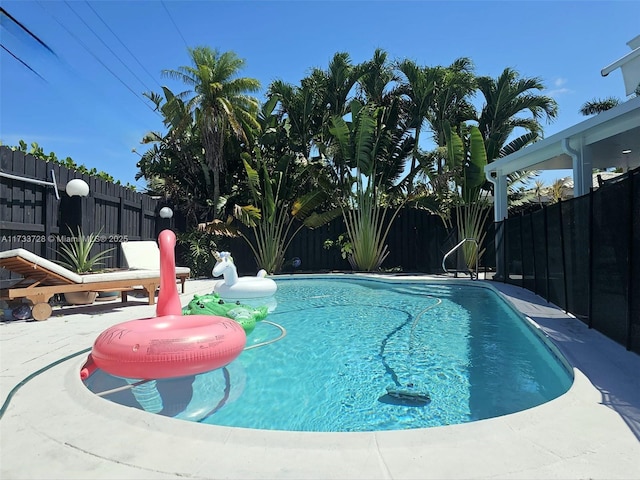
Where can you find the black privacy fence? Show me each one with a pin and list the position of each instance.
(38, 215)
(417, 242)
(582, 255)
(36, 218)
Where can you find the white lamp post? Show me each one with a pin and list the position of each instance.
(77, 187)
(166, 212)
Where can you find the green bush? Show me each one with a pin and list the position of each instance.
(196, 252)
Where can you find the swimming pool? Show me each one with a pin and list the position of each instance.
(348, 340)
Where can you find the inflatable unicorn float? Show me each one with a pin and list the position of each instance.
(237, 288)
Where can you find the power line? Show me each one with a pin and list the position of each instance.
(21, 61)
(31, 34)
(174, 24)
(98, 59)
(6, 14)
(123, 44)
(105, 44)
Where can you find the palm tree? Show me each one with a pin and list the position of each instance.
(376, 79)
(309, 107)
(280, 196)
(339, 79)
(219, 103)
(454, 87)
(174, 166)
(507, 97)
(597, 105)
(332, 89)
(557, 190)
(419, 87)
(538, 189)
(299, 110)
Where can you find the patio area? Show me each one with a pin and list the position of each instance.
(53, 427)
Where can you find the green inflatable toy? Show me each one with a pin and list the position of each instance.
(211, 304)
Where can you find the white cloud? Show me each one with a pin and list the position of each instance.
(557, 92)
(559, 82)
(559, 88)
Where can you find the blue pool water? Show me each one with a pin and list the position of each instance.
(348, 340)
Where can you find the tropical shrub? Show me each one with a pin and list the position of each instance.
(196, 251)
(273, 209)
(274, 218)
(38, 152)
(76, 254)
(369, 151)
(468, 157)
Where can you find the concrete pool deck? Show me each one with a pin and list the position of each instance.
(55, 428)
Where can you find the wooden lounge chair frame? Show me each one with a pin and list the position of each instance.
(43, 278)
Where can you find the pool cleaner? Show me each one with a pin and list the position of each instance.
(405, 395)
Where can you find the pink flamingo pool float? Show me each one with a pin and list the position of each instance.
(170, 344)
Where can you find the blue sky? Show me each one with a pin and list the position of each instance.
(86, 99)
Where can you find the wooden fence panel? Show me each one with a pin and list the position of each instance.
(31, 217)
(22, 204)
(417, 242)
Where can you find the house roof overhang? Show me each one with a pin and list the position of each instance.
(606, 135)
(629, 65)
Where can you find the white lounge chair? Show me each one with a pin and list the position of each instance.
(145, 255)
(43, 278)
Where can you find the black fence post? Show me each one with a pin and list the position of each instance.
(87, 208)
(505, 272)
(590, 306)
(120, 230)
(521, 250)
(564, 262)
(546, 253)
(141, 219)
(70, 215)
(49, 207)
(630, 260)
(533, 254)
